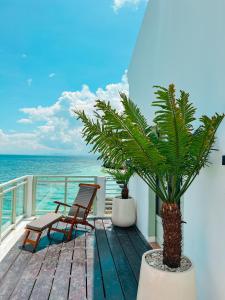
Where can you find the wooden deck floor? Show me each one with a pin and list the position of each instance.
(102, 264)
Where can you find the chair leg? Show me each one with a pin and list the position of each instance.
(49, 231)
(37, 241)
(69, 236)
(88, 224)
(26, 237)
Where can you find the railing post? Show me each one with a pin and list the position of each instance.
(65, 194)
(1, 208)
(14, 206)
(100, 200)
(25, 198)
(29, 197)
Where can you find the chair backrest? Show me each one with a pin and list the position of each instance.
(85, 197)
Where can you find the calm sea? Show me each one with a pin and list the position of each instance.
(12, 166)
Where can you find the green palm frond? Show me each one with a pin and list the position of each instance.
(121, 175)
(171, 150)
(134, 114)
(187, 109)
(173, 124)
(108, 145)
(134, 140)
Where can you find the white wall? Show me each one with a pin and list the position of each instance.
(204, 233)
(139, 191)
(184, 42)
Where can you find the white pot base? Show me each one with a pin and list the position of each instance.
(155, 284)
(123, 212)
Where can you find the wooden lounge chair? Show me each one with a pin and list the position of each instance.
(78, 214)
(79, 210)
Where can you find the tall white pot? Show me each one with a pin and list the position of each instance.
(156, 284)
(123, 212)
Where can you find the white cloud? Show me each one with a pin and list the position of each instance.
(51, 75)
(20, 143)
(118, 4)
(85, 99)
(29, 81)
(24, 121)
(41, 113)
(54, 129)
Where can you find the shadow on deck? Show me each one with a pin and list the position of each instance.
(102, 264)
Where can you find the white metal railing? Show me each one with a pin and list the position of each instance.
(47, 188)
(34, 195)
(13, 203)
(112, 190)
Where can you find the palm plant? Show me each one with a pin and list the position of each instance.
(167, 155)
(122, 177)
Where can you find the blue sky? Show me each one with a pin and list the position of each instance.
(57, 54)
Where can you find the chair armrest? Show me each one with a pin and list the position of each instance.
(58, 205)
(80, 206)
(61, 203)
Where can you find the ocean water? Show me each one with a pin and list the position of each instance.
(13, 166)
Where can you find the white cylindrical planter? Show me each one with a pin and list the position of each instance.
(156, 284)
(123, 212)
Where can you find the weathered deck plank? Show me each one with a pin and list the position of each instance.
(9, 259)
(126, 277)
(128, 248)
(137, 241)
(111, 281)
(25, 284)
(61, 281)
(13, 275)
(44, 280)
(96, 265)
(43, 284)
(78, 274)
(95, 288)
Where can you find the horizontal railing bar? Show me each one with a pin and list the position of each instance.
(13, 188)
(51, 176)
(67, 176)
(43, 210)
(12, 181)
(113, 193)
(61, 181)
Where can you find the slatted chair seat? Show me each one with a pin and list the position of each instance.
(43, 222)
(38, 226)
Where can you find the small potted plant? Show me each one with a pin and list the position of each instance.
(123, 207)
(168, 155)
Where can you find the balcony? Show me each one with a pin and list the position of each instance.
(99, 264)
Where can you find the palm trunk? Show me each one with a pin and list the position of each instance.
(125, 192)
(171, 220)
